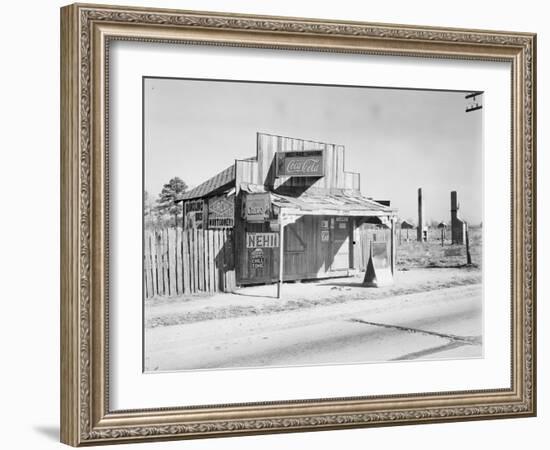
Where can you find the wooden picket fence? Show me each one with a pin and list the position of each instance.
(189, 261)
(363, 237)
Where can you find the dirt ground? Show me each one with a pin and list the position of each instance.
(444, 323)
(255, 300)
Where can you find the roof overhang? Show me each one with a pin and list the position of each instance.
(340, 203)
(331, 204)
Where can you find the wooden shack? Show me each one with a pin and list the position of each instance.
(294, 200)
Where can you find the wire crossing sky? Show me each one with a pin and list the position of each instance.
(397, 139)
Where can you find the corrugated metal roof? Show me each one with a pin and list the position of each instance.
(210, 186)
(344, 203)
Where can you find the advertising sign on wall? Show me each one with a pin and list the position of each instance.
(257, 258)
(257, 206)
(300, 164)
(262, 240)
(221, 212)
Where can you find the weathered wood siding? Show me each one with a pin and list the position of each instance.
(315, 259)
(262, 170)
(346, 248)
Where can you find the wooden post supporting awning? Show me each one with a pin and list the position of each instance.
(281, 254)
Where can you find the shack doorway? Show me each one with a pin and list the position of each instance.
(339, 244)
(297, 250)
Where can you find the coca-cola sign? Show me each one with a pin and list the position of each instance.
(300, 164)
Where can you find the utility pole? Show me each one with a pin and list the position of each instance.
(468, 255)
(420, 228)
(281, 254)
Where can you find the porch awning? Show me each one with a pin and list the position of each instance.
(341, 204)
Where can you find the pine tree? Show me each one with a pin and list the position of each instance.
(149, 210)
(171, 191)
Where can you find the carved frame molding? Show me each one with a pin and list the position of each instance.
(86, 31)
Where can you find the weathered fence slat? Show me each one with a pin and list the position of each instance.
(195, 261)
(179, 274)
(206, 265)
(147, 267)
(172, 260)
(166, 262)
(152, 259)
(190, 235)
(157, 236)
(222, 262)
(199, 257)
(187, 261)
(204, 255)
(225, 274)
(216, 261)
(165, 274)
(203, 272)
(190, 261)
(211, 261)
(160, 261)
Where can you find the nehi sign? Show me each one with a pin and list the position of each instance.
(262, 240)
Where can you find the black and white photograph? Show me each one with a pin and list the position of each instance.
(294, 224)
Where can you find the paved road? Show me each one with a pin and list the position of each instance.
(444, 323)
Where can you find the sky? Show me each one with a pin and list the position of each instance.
(397, 139)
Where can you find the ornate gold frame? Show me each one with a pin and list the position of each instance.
(86, 31)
